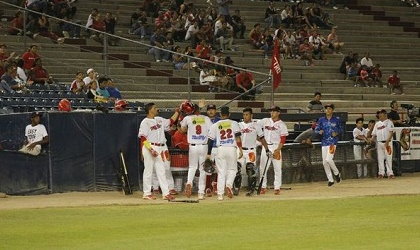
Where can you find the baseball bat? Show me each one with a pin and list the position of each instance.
(126, 187)
(262, 178)
(185, 201)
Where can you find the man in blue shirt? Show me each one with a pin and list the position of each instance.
(329, 127)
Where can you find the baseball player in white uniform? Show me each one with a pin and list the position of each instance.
(197, 127)
(275, 133)
(227, 135)
(383, 133)
(251, 132)
(359, 135)
(154, 150)
(36, 135)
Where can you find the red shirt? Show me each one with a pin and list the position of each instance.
(364, 74)
(98, 25)
(180, 140)
(29, 59)
(244, 79)
(3, 58)
(38, 72)
(16, 23)
(394, 80)
(205, 53)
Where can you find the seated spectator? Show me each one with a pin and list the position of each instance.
(305, 52)
(101, 89)
(318, 18)
(91, 18)
(256, 36)
(158, 39)
(352, 72)
(367, 61)
(177, 27)
(113, 91)
(238, 25)
(333, 42)
(181, 62)
(395, 84)
(16, 25)
(29, 57)
(93, 94)
(364, 77)
(110, 23)
(78, 85)
(376, 74)
(203, 50)
(5, 58)
(90, 78)
(225, 36)
(268, 43)
(289, 44)
(69, 30)
(43, 27)
(35, 136)
(191, 31)
(21, 74)
(315, 106)
(8, 83)
(141, 27)
(39, 75)
(244, 82)
(318, 45)
(272, 17)
(345, 64)
(287, 16)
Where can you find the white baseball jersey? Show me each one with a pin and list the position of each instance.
(382, 129)
(154, 129)
(249, 133)
(198, 128)
(357, 132)
(223, 132)
(273, 130)
(35, 133)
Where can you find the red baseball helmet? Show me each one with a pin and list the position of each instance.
(64, 105)
(187, 108)
(120, 105)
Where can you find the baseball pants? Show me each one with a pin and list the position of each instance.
(226, 168)
(249, 156)
(384, 156)
(196, 157)
(361, 168)
(277, 165)
(328, 162)
(159, 165)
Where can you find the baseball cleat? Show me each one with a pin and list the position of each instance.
(330, 183)
(380, 176)
(391, 176)
(249, 194)
(263, 190)
(209, 193)
(276, 191)
(220, 197)
(149, 197)
(214, 186)
(188, 190)
(229, 192)
(201, 196)
(337, 178)
(169, 197)
(173, 192)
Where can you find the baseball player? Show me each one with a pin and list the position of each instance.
(154, 150)
(329, 127)
(36, 135)
(275, 133)
(211, 179)
(227, 136)
(251, 131)
(383, 133)
(197, 127)
(359, 135)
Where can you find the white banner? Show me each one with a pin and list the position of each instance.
(409, 139)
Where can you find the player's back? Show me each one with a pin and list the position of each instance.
(223, 132)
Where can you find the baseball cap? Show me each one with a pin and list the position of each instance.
(35, 114)
(224, 110)
(329, 105)
(275, 108)
(211, 106)
(90, 70)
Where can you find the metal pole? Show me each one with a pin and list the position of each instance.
(189, 79)
(272, 92)
(105, 55)
(24, 29)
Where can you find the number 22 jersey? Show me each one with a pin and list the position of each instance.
(223, 132)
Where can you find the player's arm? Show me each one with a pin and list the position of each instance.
(390, 136)
(44, 140)
(210, 142)
(174, 117)
(184, 125)
(239, 143)
(145, 143)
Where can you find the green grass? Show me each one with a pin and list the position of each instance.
(390, 222)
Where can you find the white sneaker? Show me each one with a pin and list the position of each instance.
(201, 196)
(220, 197)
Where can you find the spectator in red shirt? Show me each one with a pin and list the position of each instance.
(16, 25)
(256, 36)
(5, 57)
(203, 50)
(305, 51)
(245, 81)
(29, 57)
(394, 83)
(39, 74)
(364, 77)
(377, 74)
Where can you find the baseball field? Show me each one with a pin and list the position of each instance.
(356, 214)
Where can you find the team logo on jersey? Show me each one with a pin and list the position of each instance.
(225, 125)
(246, 130)
(270, 128)
(155, 127)
(198, 121)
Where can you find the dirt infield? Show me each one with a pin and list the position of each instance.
(408, 184)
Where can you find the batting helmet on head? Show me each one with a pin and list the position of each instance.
(120, 105)
(187, 108)
(64, 105)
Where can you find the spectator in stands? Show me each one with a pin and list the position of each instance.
(21, 74)
(352, 73)
(114, 92)
(90, 79)
(158, 39)
(16, 25)
(152, 7)
(141, 27)
(364, 77)
(376, 74)
(181, 62)
(5, 58)
(101, 89)
(318, 18)
(29, 57)
(315, 106)
(256, 36)
(268, 43)
(110, 22)
(91, 18)
(238, 25)
(394, 83)
(289, 44)
(39, 74)
(306, 51)
(367, 61)
(225, 36)
(135, 17)
(347, 61)
(333, 42)
(223, 6)
(359, 135)
(272, 17)
(191, 31)
(43, 27)
(8, 83)
(318, 45)
(287, 16)
(78, 85)
(68, 29)
(244, 82)
(35, 136)
(177, 27)
(394, 116)
(203, 50)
